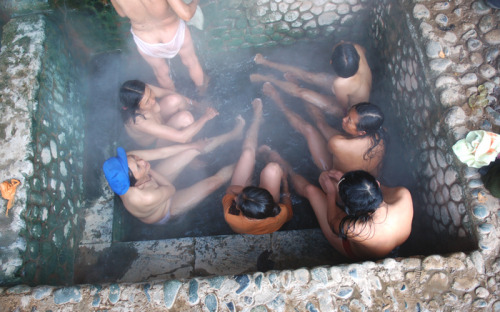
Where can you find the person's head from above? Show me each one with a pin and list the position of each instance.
(116, 172)
(124, 171)
(138, 169)
(345, 60)
(135, 96)
(257, 203)
(361, 196)
(363, 119)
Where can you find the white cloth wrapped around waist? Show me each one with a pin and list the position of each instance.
(162, 50)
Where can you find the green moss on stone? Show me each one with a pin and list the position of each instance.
(256, 39)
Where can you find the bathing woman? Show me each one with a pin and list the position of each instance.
(160, 32)
(148, 194)
(350, 84)
(148, 122)
(250, 209)
(367, 221)
(360, 147)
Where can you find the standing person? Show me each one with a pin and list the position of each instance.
(148, 194)
(361, 145)
(160, 32)
(350, 84)
(147, 121)
(250, 209)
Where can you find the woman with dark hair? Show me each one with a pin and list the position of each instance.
(361, 219)
(369, 220)
(250, 209)
(363, 143)
(360, 146)
(148, 121)
(350, 83)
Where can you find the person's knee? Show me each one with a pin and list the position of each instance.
(181, 119)
(311, 191)
(272, 171)
(309, 130)
(173, 101)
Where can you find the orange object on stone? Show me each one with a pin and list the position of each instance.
(8, 190)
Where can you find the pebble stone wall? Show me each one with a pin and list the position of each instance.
(431, 55)
(236, 24)
(41, 93)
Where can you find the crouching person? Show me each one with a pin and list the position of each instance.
(149, 195)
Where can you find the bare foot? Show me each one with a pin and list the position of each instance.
(238, 128)
(237, 133)
(225, 173)
(203, 88)
(257, 107)
(269, 90)
(259, 59)
(291, 78)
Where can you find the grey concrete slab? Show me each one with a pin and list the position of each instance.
(230, 254)
(304, 248)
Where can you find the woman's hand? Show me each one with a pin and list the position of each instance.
(327, 182)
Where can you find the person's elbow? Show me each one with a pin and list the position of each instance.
(186, 15)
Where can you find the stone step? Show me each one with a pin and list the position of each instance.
(100, 260)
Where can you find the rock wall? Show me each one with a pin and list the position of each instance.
(42, 93)
(433, 70)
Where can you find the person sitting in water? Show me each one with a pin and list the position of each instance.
(148, 122)
(250, 209)
(148, 194)
(360, 147)
(351, 83)
(160, 33)
(368, 222)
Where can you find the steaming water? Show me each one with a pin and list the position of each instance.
(231, 93)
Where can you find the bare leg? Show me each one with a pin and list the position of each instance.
(324, 102)
(190, 60)
(319, 119)
(315, 141)
(161, 70)
(270, 179)
(186, 199)
(234, 134)
(245, 166)
(179, 120)
(171, 167)
(322, 80)
(172, 104)
(315, 196)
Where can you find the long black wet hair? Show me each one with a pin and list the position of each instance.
(345, 60)
(371, 119)
(256, 202)
(361, 196)
(131, 93)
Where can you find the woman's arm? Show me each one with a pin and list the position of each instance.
(160, 92)
(183, 10)
(172, 134)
